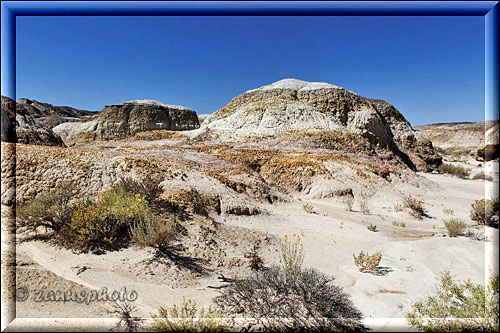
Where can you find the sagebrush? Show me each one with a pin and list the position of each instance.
(188, 318)
(455, 226)
(414, 206)
(366, 262)
(281, 300)
(485, 212)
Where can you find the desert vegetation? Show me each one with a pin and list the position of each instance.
(414, 207)
(399, 224)
(485, 212)
(363, 202)
(308, 208)
(290, 297)
(188, 318)
(455, 226)
(120, 215)
(482, 176)
(458, 307)
(372, 227)
(367, 262)
(457, 171)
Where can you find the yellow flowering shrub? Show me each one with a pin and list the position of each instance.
(292, 252)
(104, 224)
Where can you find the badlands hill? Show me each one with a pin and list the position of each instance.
(479, 138)
(292, 105)
(461, 136)
(118, 121)
(20, 124)
(51, 115)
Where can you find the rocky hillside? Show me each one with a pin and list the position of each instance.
(462, 136)
(122, 120)
(293, 105)
(19, 125)
(51, 115)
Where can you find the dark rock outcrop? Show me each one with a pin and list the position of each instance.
(52, 115)
(19, 126)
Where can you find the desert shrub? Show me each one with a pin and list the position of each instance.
(308, 208)
(127, 322)
(255, 261)
(399, 224)
(455, 226)
(372, 227)
(458, 307)
(51, 210)
(458, 171)
(485, 212)
(154, 231)
(398, 207)
(292, 253)
(415, 206)
(281, 300)
(149, 188)
(348, 201)
(363, 202)
(187, 318)
(481, 175)
(104, 224)
(367, 262)
(448, 211)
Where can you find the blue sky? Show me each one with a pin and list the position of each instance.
(430, 68)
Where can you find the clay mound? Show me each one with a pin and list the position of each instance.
(118, 121)
(295, 105)
(19, 126)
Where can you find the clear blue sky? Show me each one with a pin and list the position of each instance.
(430, 68)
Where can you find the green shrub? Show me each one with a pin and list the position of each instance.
(153, 231)
(372, 227)
(485, 212)
(415, 206)
(367, 262)
(187, 318)
(458, 307)
(292, 253)
(104, 224)
(458, 171)
(308, 208)
(51, 211)
(455, 226)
